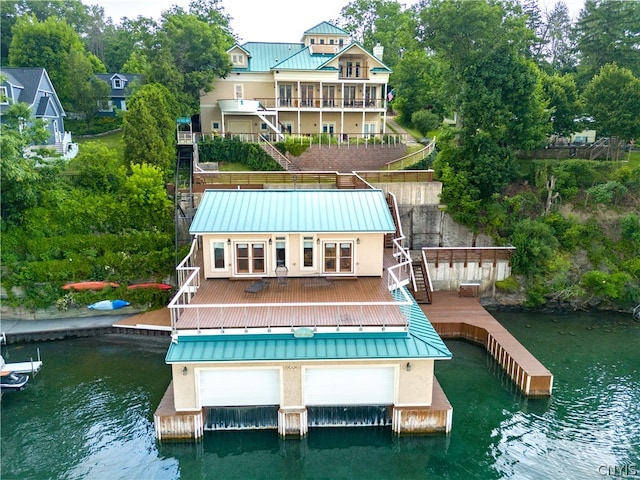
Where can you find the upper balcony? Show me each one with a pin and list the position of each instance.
(239, 105)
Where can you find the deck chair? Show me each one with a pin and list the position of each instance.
(281, 274)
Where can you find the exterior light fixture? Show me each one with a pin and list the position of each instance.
(318, 241)
(270, 242)
(408, 366)
(358, 241)
(228, 241)
(185, 371)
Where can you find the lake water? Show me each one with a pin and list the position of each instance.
(89, 415)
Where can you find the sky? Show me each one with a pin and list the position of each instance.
(262, 20)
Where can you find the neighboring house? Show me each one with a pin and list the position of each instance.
(33, 87)
(292, 313)
(120, 84)
(325, 84)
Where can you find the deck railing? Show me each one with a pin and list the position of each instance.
(321, 139)
(273, 313)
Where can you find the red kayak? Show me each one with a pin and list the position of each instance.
(159, 286)
(89, 285)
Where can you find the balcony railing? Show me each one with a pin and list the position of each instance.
(319, 103)
(354, 72)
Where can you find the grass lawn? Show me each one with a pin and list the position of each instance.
(112, 140)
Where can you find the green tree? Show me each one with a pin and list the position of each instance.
(187, 56)
(418, 85)
(18, 174)
(89, 94)
(612, 98)
(492, 84)
(607, 31)
(73, 11)
(149, 127)
(386, 22)
(561, 94)
(55, 46)
(558, 40)
(146, 197)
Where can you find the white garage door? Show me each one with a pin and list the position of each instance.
(239, 387)
(349, 386)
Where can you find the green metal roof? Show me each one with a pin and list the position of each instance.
(326, 28)
(264, 55)
(292, 211)
(421, 341)
(304, 60)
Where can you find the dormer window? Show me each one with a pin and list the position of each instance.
(237, 59)
(118, 84)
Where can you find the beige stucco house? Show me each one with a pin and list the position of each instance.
(323, 84)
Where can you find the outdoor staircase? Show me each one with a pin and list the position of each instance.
(274, 153)
(422, 290)
(271, 126)
(599, 148)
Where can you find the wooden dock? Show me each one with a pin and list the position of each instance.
(454, 316)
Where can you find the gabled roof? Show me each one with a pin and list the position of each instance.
(421, 341)
(360, 47)
(284, 211)
(27, 78)
(326, 28)
(30, 81)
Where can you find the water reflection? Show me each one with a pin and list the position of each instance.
(89, 415)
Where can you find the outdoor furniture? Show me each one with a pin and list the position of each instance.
(257, 286)
(281, 273)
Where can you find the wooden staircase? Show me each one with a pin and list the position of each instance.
(422, 289)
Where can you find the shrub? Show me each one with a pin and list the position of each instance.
(509, 284)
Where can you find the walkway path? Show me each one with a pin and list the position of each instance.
(453, 316)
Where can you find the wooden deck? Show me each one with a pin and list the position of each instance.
(308, 302)
(453, 316)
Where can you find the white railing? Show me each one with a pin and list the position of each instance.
(314, 315)
(273, 313)
(412, 158)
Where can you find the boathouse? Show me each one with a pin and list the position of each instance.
(293, 312)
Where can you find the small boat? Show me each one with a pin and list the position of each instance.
(109, 305)
(13, 381)
(159, 286)
(89, 285)
(10, 380)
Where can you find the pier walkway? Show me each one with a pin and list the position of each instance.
(454, 317)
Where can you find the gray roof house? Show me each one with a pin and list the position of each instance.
(33, 87)
(120, 84)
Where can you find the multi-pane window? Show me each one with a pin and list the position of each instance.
(250, 258)
(338, 257)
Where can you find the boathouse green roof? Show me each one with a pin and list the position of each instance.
(292, 211)
(421, 341)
